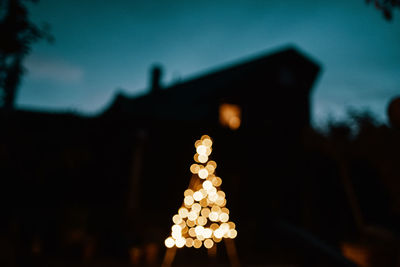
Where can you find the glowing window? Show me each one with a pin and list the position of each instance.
(230, 115)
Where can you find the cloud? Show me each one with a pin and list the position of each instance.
(50, 69)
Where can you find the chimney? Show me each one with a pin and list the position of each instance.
(156, 73)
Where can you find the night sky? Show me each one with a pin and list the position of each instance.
(102, 47)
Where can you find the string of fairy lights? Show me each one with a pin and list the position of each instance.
(203, 218)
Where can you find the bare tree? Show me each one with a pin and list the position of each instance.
(17, 34)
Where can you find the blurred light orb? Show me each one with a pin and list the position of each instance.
(180, 242)
(194, 168)
(207, 185)
(208, 243)
(201, 220)
(197, 243)
(204, 137)
(176, 235)
(203, 192)
(176, 228)
(188, 192)
(223, 217)
(203, 173)
(169, 242)
(196, 207)
(207, 142)
(183, 212)
(204, 202)
(202, 158)
(207, 233)
(192, 232)
(201, 149)
(188, 200)
(205, 212)
(199, 230)
(198, 143)
(190, 223)
(232, 233)
(177, 219)
(218, 233)
(216, 209)
(213, 216)
(192, 216)
(189, 242)
(198, 196)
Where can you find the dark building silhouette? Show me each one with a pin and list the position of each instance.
(115, 180)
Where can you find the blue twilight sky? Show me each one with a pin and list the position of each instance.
(103, 46)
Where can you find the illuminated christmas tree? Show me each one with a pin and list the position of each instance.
(203, 218)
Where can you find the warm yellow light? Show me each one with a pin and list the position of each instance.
(176, 228)
(176, 235)
(223, 217)
(225, 210)
(203, 173)
(203, 192)
(200, 237)
(212, 163)
(220, 201)
(201, 149)
(212, 197)
(216, 209)
(199, 230)
(190, 223)
(217, 181)
(207, 142)
(216, 240)
(196, 157)
(196, 207)
(204, 137)
(192, 216)
(188, 192)
(224, 226)
(169, 242)
(204, 202)
(207, 185)
(213, 216)
(189, 242)
(232, 233)
(208, 151)
(212, 190)
(230, 115)
(205, 212)
(198, 196)
(218, 233)
(202, 158)
(214, 226)
(183, 212)
(180, 242)
(192, 232)
(188, 200)
(194, 168)
(203, 216)
(177, 219)
(208, 243)
(207, 233)
(201, 220)
(198, 143)
(197, 243)
(210, 169)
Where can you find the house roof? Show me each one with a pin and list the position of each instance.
(287, 68)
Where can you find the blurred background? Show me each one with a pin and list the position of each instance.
(101, 103)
